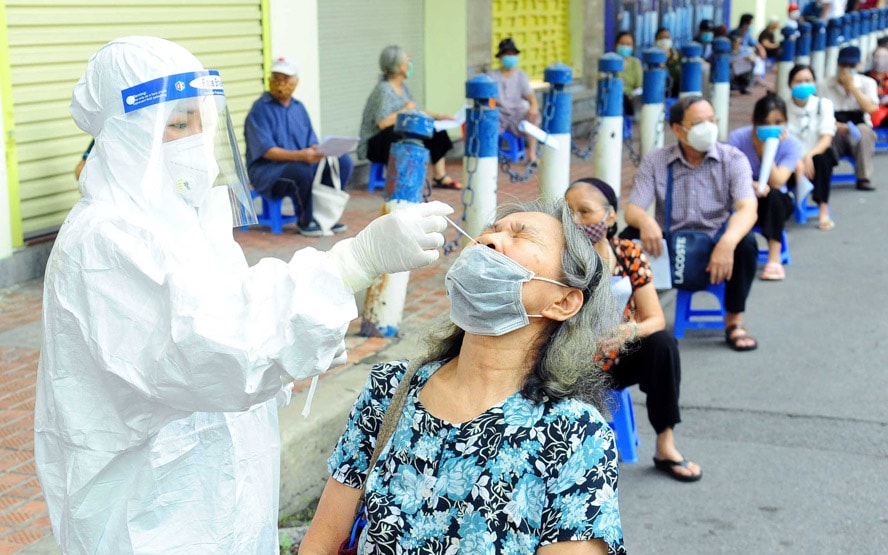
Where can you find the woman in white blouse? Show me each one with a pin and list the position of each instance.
(812, 120)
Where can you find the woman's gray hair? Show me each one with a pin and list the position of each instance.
(390, 60)
(567, 356)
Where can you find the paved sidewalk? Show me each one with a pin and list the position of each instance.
(721, 389)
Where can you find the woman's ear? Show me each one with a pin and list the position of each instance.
(565, 307)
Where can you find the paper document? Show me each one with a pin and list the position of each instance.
(459, 118)
(538, 134)
(335, 145)
(660, 268)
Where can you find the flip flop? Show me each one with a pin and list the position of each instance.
(733, 341)
(439, 183)
(773, 271)
(668, 467)
(826, 225)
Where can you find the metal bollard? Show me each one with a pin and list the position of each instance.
(873, 16)
(555, 164)
(609, 146)
(833, 39)
(818, 47)
(405, 182)
(854, 18)
(866, 46)
(691, 70)
(846, 30)
(803, 44)
(653, 91)
(883, 22)
(480, 162)
(721, 85)
(784, 66)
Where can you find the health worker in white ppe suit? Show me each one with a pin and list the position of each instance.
(163, 351)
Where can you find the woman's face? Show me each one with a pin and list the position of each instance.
(775, 117)
(626, 40)
(184, 121)
(803, 76)
(404, 66)
(589, 206)
(663, 35)
(532, 239)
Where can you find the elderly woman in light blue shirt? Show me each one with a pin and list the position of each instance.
(391, 97)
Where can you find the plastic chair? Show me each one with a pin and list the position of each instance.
(881, 138)
(845, 178)
(511, 147)
(801, 210)
(271, 215)
(688, 318)
(623, 423)
(377, 177)
(784, 248)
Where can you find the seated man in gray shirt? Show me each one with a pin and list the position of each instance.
(712, 190)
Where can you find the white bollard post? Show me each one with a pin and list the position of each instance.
(555, 162)
(608, 159)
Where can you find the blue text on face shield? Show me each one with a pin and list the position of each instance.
(170, 88)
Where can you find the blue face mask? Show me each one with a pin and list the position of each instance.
(765, 132)
(484, 287)
(409, 69)
(706, 37)
(803, 91)
(623, 50)
(509, 60)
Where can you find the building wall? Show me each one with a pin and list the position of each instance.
(445, 55)
(293, 33)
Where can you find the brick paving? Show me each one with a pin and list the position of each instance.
(23, 513)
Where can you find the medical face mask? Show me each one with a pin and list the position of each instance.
(595, 232)
(702, 137)
(665, 44)
(803, 91)
(190, 167)
(764, 132)
(484, 287)
(706, 37)
(880, 64)
(624, 50)
(409, 70)
(509, 61)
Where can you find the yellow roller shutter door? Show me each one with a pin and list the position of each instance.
(49, 44)
(540, 28)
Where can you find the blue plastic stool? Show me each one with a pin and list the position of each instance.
(845, 178)
(801, 210)
(511, 147)
(881, 138)
(623, 423)
(784, 248)
(271, 215)
(377, 177)
(687, 318)
(627, 128)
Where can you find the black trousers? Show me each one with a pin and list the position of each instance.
(378, 145)
(653, 363)
(773, 211)
(823, 171)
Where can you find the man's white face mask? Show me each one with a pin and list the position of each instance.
(190, 167)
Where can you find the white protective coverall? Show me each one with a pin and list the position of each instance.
(163, 351)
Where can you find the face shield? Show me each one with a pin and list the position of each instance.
(198, 150)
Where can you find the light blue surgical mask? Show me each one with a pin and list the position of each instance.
(624, 50)
(765, 132)
(706, 37)
(484, 287)
(509, 60)
(803, 91)
(409, 70)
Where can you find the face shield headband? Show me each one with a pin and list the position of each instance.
(198, 149)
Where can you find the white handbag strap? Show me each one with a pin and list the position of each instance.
(333, 162)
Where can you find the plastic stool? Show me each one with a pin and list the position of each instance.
(627, 128)
(511, 147)
(801, 210)
(623, 423)
(784, 248)
(687, 318)
(271, 213)
(845, 178)
(881, 138)
(377, 177)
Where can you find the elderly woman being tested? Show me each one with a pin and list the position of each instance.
(500, 445)
(391, 97)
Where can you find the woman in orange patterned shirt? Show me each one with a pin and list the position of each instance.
(650, 358)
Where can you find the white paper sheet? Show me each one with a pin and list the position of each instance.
(337, 145)
(660, 267)
(459, 118)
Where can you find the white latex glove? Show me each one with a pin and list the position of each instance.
(406, 239)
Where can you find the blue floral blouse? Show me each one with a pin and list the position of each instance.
(519, 476)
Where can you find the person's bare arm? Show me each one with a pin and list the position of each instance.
(651, 234)
(648, 312)
(332, 521)
(308, 155)
(721, 263)
(594, 547)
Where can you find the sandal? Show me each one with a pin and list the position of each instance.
(826, 225)
(773, 271)
(733, 341)
(441, 184)
(667, 466)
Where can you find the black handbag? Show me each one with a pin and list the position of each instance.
(689, 251)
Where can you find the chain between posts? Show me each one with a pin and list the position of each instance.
(531, 169)
(600, 108)
(468, 193)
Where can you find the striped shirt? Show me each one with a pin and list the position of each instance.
(703, 198)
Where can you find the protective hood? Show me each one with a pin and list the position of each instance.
(154, 97)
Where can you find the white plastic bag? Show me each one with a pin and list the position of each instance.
(328, 203)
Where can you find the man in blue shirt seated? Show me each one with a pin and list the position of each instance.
(282, 154)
